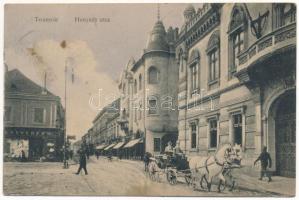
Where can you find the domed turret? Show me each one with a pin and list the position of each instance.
(157, 39)
(189, 12)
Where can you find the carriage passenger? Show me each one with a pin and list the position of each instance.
(177, 150)
(169, 149)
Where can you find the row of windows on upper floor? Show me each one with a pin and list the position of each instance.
(238, 36)
(237, 132)
(153, 75)
(39, 115)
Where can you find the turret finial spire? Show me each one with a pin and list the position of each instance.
(158, 11)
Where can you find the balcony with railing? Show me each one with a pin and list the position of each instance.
(280, 38)
(267, 46)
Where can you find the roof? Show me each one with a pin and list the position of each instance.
(157, 39)
(112, 108)
(189, 10)
(17, 82)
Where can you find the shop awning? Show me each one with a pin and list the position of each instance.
(119, 145)
(109, 147)
(100, 147)
(133, 143)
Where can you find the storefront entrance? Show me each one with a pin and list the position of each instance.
(36, 146)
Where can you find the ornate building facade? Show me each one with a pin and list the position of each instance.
(237, 66)
(33, 119)
(105, 128)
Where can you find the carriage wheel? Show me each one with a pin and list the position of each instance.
(171, 177)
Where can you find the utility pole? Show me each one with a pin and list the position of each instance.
(65, 164)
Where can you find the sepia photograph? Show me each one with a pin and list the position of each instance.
(149, 99)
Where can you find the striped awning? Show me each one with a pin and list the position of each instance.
(133, 143)
(119, 145)
(110, 146)
(100, 147)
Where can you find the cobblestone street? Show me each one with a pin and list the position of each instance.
(105, 178)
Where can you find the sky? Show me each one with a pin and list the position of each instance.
(96, 51)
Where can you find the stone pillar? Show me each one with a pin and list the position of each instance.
(258, 133)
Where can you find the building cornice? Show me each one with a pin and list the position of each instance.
(24, 96)
(150, 53)
(210, 96)
(199, 27)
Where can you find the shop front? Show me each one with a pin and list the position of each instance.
(34, 143)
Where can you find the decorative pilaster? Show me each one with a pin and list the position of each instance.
(258, 119)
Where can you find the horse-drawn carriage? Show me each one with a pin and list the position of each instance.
(197, 169)
(172, 166)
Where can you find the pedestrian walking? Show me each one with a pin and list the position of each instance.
(110, 155)
(97, 154)
(146, 160)
(23, 156)
(266, 161)
(82, 162)
(71, 154)
(87, 153)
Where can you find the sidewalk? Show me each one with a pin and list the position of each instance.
(279, 185)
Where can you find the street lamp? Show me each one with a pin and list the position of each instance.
(65, 164)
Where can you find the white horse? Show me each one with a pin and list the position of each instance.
(209, 167)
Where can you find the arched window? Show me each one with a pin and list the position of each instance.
(153, 75)
(237, 37)
(214, 57)
(140, 81)
(288, 13)
(284, 13)
(135, 86)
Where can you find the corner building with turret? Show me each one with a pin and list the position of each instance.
(149, 93)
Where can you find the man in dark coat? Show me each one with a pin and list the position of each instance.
(266, 161)
(82, 161)
(23, 157)
(71, 154)
(97, 154)
(146, 160)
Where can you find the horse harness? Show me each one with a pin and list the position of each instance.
(215, 162)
